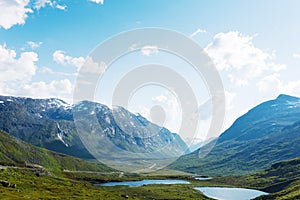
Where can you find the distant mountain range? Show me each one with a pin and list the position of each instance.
(260, 141)
(49, 123)
(266, 134)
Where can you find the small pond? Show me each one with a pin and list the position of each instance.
(143, 182)
(223, 193)
(203, 178)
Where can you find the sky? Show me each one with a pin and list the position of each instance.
(254, 45)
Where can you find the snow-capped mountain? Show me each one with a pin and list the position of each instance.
(50, 123)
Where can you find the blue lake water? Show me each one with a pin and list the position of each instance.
(203, 178)
(143, 182)
(222, 193)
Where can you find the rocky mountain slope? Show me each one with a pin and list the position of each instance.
(266, 134)
(49, 123)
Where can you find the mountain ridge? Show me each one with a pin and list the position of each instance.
(266, 134)
(50, 123)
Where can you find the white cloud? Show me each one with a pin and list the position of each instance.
(42, 3)
(5, 89)
(97, 1)
(197, 32)
(47, 70)
(296, 55)
(236, 54)
(18, 71)
(54, 4)
(170, 105)
(160, 99)
(132, 47)
(148, 50)
(291, 88)
(61, 58)
(61, 7)
(92, 66)
(15, 68)
(34, 45)
(229, 99)
(56, 88)
(171, 115)
(271, 86)
(206, 108)
(13, 12)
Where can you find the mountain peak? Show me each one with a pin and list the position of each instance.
(287, 97)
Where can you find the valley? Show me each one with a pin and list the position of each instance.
(259, 151)
(149, 100)
(80, 185)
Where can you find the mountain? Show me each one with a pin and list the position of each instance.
(53, 124)
(14, 152)
(266, 134)
(125, 130)
(42, 122)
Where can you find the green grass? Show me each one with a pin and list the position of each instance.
(281, 180)
(30, 186)
(16, 152)
(160, 192)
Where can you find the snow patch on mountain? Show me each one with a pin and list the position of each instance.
(293, 104)
(60, 135)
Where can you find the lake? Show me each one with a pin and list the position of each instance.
(223, 193)
(143, 182)
(203, 178)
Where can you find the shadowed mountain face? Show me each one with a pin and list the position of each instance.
(45, 123)
(13, 151)
(49, 123)
(268, 133)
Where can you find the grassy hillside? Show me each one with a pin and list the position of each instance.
(18, 178)
(281, 180)
(29, 186)
(16, 152)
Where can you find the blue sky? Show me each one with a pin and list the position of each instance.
(255, 45)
